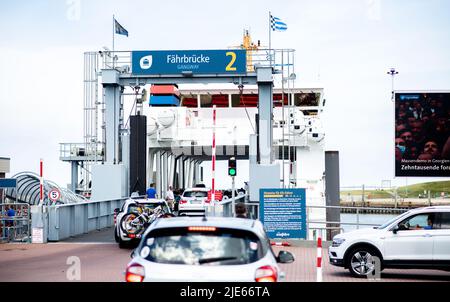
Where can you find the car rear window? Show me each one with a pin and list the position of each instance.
(195, 194)
(217, 247)
(133, 207)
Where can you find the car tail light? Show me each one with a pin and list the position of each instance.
(135, 273)
(266, 274)
(183, 201)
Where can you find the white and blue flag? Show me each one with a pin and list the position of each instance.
(276, 24)
(119, 29)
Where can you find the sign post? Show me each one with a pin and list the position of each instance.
(233, 210)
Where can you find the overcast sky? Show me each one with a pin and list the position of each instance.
(347, 45)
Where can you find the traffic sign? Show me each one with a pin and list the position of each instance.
(218, 195)
(174, 62)
(54, 195)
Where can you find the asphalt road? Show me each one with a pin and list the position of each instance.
(102, 260)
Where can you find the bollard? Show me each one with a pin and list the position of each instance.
(319, 260)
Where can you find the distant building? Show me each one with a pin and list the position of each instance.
(4, 168)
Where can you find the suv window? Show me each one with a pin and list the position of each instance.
(217, 247)
(425, 221)
(444, 220)
(195, 194)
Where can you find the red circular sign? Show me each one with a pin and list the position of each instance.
(54, 195)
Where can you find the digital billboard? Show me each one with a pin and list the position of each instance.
(422, 134)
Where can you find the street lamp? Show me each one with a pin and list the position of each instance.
(392, 72)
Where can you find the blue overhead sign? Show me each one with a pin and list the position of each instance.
(8, 182)
(283, 212)
(174, 62)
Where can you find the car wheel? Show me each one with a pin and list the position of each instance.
(361, 262)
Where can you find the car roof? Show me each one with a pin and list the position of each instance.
(254, 226)
(145, 200)
(198, 189)
(431, 208)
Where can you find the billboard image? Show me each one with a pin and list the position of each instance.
(422, 134)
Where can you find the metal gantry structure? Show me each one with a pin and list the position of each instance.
(176, 151)
(104, 125)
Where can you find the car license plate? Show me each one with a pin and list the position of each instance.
(196, 201)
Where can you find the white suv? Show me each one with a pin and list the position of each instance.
(419, 238)
(193, 201)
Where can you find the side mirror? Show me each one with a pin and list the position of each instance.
(395, 229)
(285, 257)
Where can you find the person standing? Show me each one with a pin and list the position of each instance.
(151, 192)
(170, 197)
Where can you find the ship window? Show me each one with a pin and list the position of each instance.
(205, 101)
(189, 101)
(306, 99)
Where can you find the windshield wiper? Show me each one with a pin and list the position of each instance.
(216, 259)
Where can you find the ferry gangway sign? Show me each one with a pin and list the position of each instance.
(283, 213)
(182, 62)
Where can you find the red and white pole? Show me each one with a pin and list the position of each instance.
(319, 259)
(213, 172)
(41, 182)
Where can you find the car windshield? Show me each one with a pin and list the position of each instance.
(218, 247)
(150, 206)
(195, 194)
(390, 221)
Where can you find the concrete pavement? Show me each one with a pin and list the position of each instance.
(101, 259)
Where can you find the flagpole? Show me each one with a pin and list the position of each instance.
(113, 34)
(270, 42)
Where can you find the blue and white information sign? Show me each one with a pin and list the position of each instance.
(173, 62)
(283, 212)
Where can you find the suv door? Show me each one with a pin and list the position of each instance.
(441, 238)
(413, 242)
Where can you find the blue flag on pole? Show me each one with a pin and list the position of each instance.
(119, 29)
(276, 24)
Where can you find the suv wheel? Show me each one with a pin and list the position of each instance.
(361, 262)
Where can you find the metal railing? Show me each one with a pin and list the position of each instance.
(71, 150)
(314, 227)
(15, 228)
(69, 220)
(277, 58)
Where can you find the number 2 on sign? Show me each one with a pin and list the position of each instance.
(233, 59)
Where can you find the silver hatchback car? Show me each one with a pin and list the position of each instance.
(217, 249)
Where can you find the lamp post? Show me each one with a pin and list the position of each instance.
(392, 72)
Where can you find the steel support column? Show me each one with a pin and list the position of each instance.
(158, 173)
(265, 115)
(150, 164)
(112, 113)
(74, 178)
